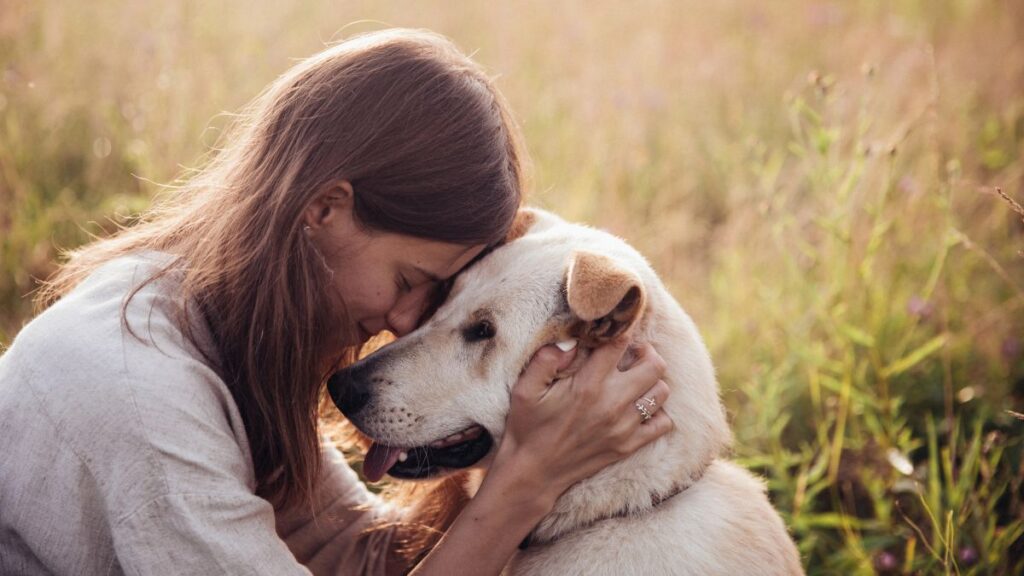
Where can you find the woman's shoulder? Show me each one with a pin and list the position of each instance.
(76, 379)
(124, 307)
(119, 333)
(114, 345)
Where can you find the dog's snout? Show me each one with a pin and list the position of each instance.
(349, 389)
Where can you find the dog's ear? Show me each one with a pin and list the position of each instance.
(531, 220)
(525, 218)
(605, 297)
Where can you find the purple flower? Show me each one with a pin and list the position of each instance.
(968, 556)
(886, 561)
(908, 185)
(920, 307)
(823, 14)
(1011, 348)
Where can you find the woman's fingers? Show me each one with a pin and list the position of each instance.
(652, 401)
(575, 428)
(541, 370)
(641, 376)
(649, 431)
(603, 360)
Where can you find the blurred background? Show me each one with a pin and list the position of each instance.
(831, 189)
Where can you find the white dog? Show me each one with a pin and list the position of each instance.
(436, 400)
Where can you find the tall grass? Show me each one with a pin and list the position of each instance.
(816, 181)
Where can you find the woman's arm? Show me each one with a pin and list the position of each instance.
(557, 435)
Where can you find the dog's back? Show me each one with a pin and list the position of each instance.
(673, 507)
(717, 520)
(722, 525)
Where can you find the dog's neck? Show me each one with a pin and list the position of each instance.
(628, 509)
(669, 465)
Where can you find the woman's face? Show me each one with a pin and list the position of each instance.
(387, 281)
(382, 281)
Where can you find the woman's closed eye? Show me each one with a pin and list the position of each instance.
(436, 298)
(403, 284)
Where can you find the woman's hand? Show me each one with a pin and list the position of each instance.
(567, 430)
(558, 433)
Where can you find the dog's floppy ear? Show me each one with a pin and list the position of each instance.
(606, 297)
(525, 218)
(531, 220)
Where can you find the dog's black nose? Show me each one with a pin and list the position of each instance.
(349, 390)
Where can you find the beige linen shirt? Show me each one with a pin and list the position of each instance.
(121, 456)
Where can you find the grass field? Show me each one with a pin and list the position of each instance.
(828, 187)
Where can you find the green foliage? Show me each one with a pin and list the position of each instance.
(815, 181)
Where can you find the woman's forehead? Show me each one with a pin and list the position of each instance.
(436, 260)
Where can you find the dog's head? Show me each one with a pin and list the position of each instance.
(436, 400)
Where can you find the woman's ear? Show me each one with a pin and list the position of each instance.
(332, 202)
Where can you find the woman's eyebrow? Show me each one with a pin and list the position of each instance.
(428, 274)
(435, 278)
(476, 259)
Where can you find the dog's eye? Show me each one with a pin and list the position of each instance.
(482, 330)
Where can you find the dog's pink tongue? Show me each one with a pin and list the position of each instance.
(379, 460)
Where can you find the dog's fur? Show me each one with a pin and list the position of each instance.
(556, 281)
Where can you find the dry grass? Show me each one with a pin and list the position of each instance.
(828, 187)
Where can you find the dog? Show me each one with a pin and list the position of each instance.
(435, 402)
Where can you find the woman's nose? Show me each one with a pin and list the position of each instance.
(402, 323)
(404, 316)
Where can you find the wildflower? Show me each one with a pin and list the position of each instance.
(968, 556)
(908, 185)
(886, 561)
(1011, 348)
(920, 307)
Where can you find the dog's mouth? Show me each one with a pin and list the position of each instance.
(459, 450)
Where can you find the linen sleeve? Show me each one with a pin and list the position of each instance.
(347, 531)
(184, 533)
(131, 455)
(240, 533)
(187, 502)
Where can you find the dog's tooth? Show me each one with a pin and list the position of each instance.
(566, 345)
(467, 434)
(403, 456)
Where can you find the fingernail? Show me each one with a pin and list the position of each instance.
(566, 345)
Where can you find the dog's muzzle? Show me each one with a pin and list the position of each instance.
(350, 389)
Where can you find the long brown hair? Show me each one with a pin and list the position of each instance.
(431, 151)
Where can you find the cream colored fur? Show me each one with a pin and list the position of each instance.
(722, 524)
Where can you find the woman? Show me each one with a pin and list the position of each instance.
(162, 415)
